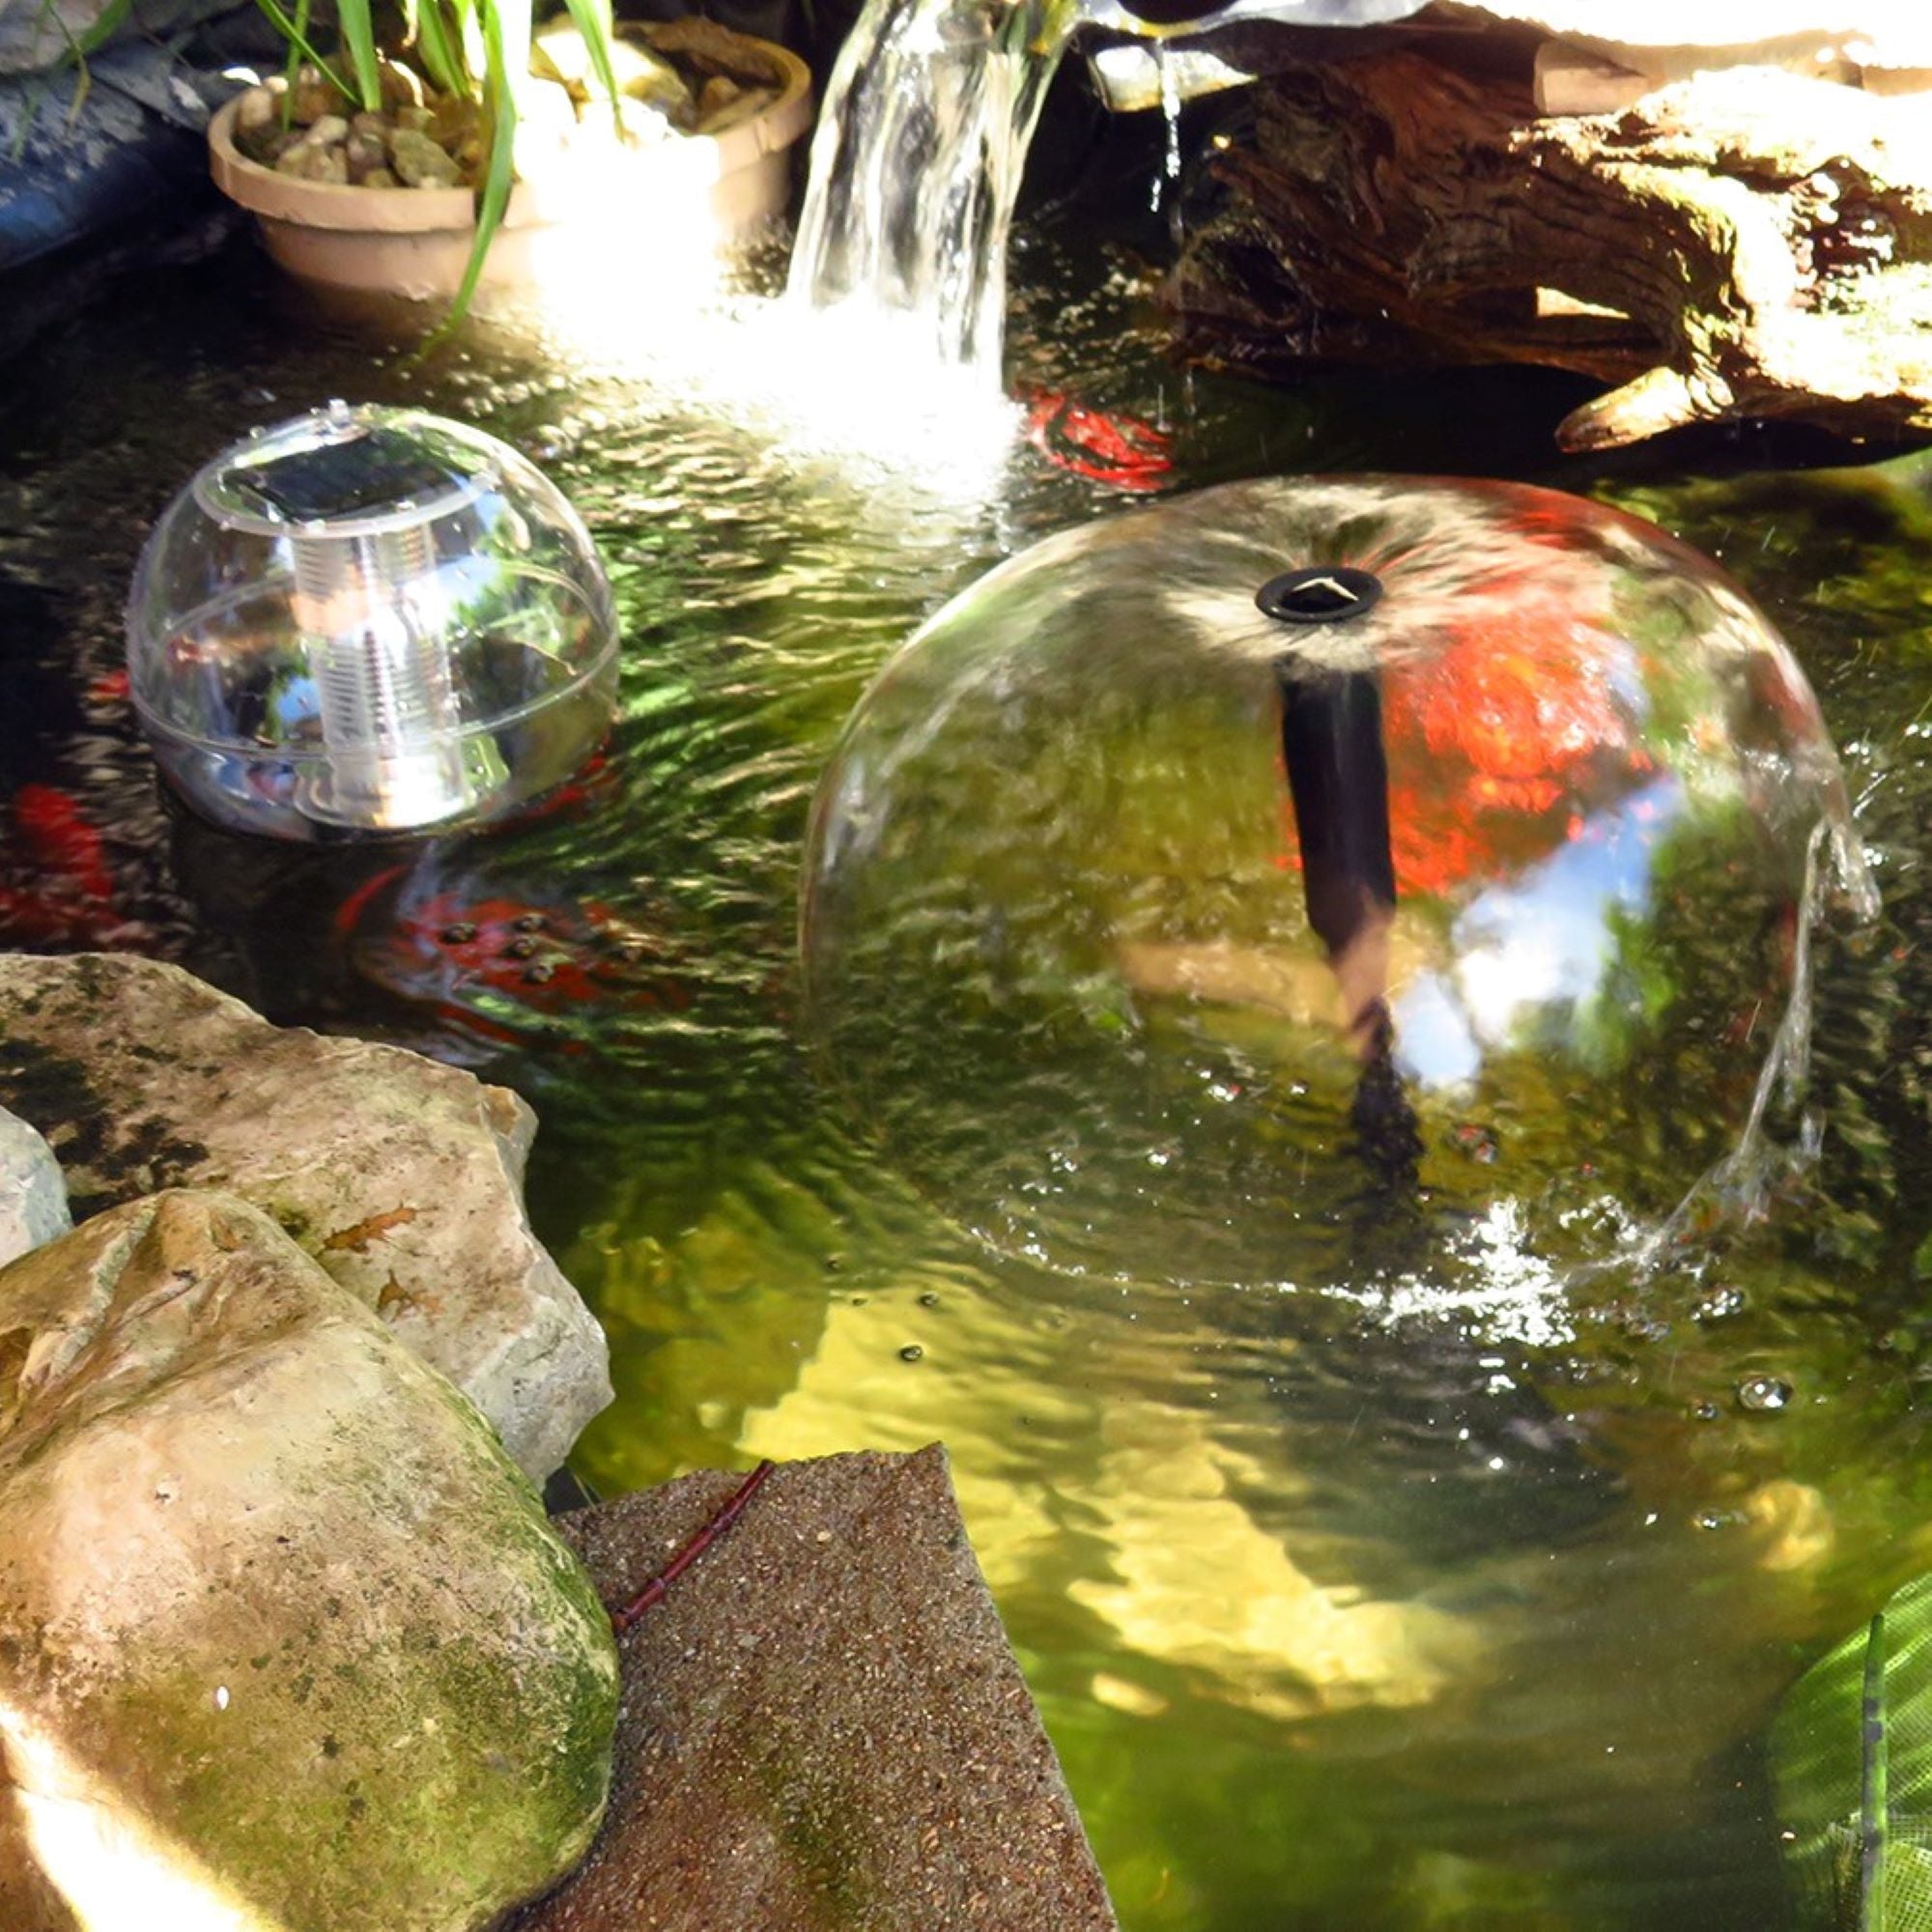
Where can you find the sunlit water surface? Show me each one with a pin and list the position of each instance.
(1363, 1614)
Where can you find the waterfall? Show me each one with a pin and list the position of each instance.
(917, 163)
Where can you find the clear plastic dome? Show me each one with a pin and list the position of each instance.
(370, 621)
(1230, 876)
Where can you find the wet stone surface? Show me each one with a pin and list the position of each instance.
(402, 1178)
(33, 1196)
(822, 1725)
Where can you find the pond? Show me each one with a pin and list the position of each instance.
(1340, 1612)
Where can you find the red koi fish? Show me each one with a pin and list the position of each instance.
(56, 885)
(1119, 450)
(497, 965)
(109, 691)
(1489, 744)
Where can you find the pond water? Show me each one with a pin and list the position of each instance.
(1342, 1611)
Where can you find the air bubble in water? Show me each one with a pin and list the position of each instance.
(1763, 1394)
(1720, 1304)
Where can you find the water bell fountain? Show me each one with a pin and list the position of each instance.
(1212, 880)
(368, 622)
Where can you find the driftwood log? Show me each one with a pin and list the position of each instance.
(1745, 244)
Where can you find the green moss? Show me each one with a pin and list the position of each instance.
(387, 1702)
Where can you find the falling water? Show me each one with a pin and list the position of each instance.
(1168, 180)
(916, 162)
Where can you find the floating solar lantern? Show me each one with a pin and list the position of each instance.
(1207, 880)
(370, 621)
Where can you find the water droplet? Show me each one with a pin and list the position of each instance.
(928, 1299)
(1479, 1142)
(912, 1353)
(521, 948)
(530, 922)
(539, 975)
(1706, 1410)
(1762, 1394)
(1721, 1303)
(459, 934)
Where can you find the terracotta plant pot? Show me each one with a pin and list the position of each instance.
(415, 241)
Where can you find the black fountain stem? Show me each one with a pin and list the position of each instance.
(1331, 742)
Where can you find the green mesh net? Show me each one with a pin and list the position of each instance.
(1852, 1757)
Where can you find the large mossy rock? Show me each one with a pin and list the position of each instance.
(402, 1178)
(285, 1643)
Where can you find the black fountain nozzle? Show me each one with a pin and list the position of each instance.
(1386, 1128)
(1177, 12)
(1323, 593)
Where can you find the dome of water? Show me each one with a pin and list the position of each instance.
(1209, 886)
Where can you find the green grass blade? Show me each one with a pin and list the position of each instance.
(468, 31)
(83, 84)
(1873, 1814)
(506, 63)
(441, 46)
(105, 23)
(359, 35)
(593, 22)
(78, 48)
(37, 89)
(297, 38)
(292, 66)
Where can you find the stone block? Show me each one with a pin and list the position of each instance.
(822, 1724)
